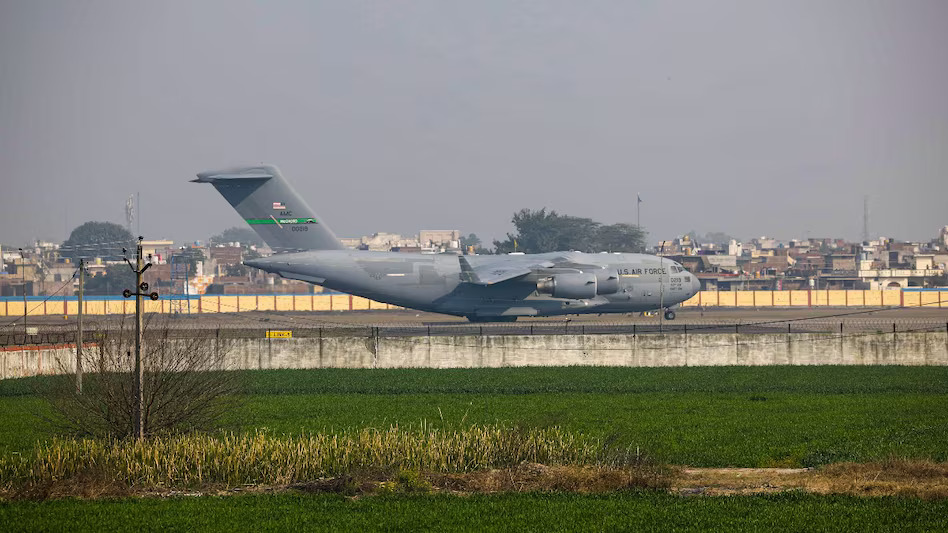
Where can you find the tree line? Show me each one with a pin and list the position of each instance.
(542, 230)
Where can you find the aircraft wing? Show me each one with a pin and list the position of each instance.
(497, 271)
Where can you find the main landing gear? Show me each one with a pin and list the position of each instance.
(669, 315)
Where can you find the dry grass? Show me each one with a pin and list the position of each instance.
(84, 467)
(532, 477)
(895, 477)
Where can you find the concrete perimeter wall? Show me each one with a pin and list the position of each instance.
(915, 348)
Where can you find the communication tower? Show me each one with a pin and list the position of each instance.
(865, 218)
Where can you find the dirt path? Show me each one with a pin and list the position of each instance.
(890, 478)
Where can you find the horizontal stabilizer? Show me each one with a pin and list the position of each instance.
(210, 177)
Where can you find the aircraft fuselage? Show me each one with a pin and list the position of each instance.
(435, 282)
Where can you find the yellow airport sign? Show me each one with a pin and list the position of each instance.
(276, 334)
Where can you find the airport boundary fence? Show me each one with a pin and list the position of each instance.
(210, 304)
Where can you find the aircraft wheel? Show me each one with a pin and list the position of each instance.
(669, 315)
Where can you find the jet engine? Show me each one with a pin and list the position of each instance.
(607, 281)
(576, 286)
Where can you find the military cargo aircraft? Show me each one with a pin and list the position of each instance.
(482, 288)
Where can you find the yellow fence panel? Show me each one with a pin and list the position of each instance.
(228, 304)
(14, 308)
(113, 307)
(799, 298)
(727, 299)
(690, 302)
(303, 302)
(911, 299)
(763, 298)
(891, 298)
(854, 298)
(322, 302)
(781, 298)
(208, 304)
(266, 302)
(818, 298)
(708, 298)
(873, 298)
(283, 302)
(55, 307)
(96, 307)
(929, 299)
(247, 303)
(836, 298)
(341, 302)
(943, 299)
(359, 303)
(744, 298)
(72, 307)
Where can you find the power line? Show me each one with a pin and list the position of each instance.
(61, 287)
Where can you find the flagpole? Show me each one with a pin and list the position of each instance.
(638, 207)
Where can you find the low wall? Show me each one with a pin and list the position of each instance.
(915, 348)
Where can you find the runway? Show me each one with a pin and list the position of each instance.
(409, 323)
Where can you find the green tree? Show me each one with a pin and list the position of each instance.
(189, 255)
(471, 240)
(718, 237)
(548, 231)
(116, 278)
(621, 237)
(97, 239)
(245, 236)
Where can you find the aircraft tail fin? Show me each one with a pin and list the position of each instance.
(263, 197)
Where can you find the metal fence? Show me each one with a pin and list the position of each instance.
(64, 335)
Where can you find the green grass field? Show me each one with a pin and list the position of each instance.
(508, 512)
(727, 416)
(724, 416)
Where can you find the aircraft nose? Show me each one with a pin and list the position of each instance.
(695, 284)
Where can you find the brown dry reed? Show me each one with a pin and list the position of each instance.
(193, 460)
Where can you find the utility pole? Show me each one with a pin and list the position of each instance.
(79, 331)
(141, 289)
(23, 268)
(661, 289)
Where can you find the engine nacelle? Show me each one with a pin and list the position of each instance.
(577, 286)
(607, 281)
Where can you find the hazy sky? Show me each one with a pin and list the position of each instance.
(748, 117)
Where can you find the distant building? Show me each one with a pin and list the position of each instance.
(448, 238)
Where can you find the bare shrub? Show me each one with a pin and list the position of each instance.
(186, 383)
